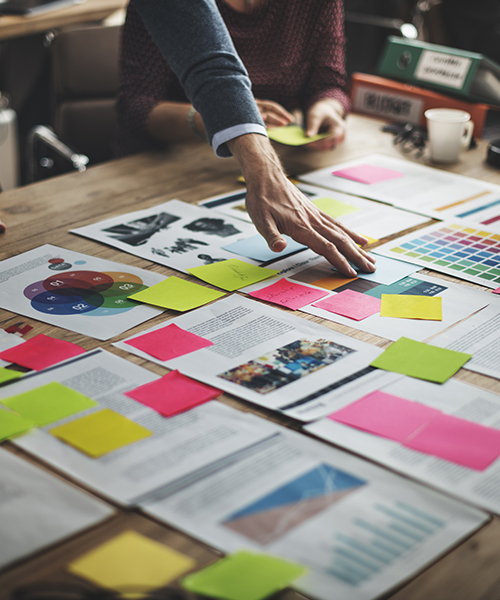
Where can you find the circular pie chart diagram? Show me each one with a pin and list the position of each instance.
(85, 292)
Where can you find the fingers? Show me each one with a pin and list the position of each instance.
(273, 113)
(3, 227)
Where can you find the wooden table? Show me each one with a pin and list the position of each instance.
(44, 212)
(91, 10)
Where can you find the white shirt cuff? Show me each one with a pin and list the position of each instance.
(221, 137)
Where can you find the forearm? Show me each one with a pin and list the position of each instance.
(194, 40)
(168, 122)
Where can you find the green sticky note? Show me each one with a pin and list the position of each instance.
(232, 274)
(12, 424)
(177, 294)
(407, 306)
(100, 432)
(8, 374)
(244, 576)
(293, 135)
(334, 208)
(49, 403)
(420, 360)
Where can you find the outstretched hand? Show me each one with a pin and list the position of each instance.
(278, 207)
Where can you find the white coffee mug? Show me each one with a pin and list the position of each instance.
(449, 131)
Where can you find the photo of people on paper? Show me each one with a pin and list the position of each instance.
(286, 364)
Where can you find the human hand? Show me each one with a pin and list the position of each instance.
(326, 116)
(3, 227)
(273, 114)
(278, 207)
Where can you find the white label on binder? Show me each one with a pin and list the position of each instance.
(400, 107)
(445, 69)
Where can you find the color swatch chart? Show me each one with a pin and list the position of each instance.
(456, 249)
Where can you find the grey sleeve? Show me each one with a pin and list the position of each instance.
(194, 40)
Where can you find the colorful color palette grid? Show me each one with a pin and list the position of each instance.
(463, 251)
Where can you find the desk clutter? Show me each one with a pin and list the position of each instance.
(285, 508)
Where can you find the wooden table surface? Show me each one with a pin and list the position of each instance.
(90, 10)
(45, 212)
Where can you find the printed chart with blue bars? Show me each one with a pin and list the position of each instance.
(375, 545)
(459, 249)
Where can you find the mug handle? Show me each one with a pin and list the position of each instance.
(467, 134)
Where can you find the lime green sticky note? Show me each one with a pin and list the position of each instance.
(131, 561)
(420, 360)
(12, 424)
(334, 208)
(177, 294)
(8, 374)
(244, 576)
(49, 403)
(404, 306)
(293, 135)
(100, 432)
(231, 274)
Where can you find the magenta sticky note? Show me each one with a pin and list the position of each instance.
(368, 173)
(386, 415)
(41, 352)
(459, 441)
(169, 342)
(289, 294)
(174, 393)
(497, 291)
(350, 304)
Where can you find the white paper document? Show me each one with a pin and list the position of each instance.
(454, 397)
(458, 302)
(175, 234)
(480, 336)
(38, 509)
(178, 447)
(409, 185)
(75, 291)
(267, 356)
(359, 529)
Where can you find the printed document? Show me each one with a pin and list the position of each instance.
(358, 528)
(75, 291)
(455, 398)
(480, 336)
(38, 509)
(421, 189)
(178, 447)
(267, 356)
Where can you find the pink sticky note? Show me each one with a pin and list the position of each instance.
(169, 342)
(385, 415)
(367, 173)
(458, 441)
(41, 352)
(350, 304)
(291, 295)
(497, 291)
(174, 393)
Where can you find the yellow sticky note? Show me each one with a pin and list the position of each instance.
(334, 208)
(293, 135)
(411, 307)
(232, 274)
(177, 294)
(131, 561)
(100, 432)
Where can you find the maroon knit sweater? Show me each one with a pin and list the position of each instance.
(294, 51)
